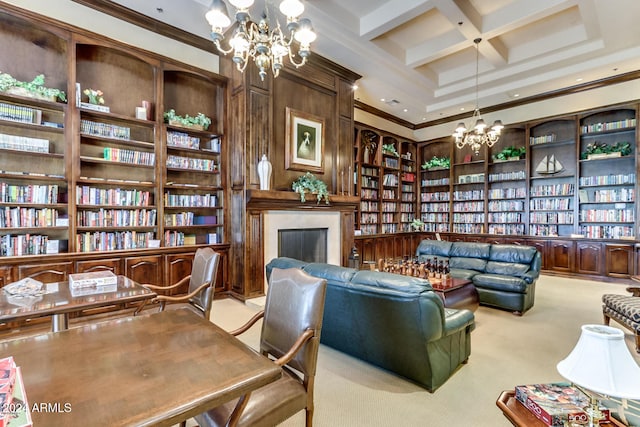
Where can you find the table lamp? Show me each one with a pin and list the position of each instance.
(601, 363)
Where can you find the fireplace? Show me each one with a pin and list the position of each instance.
(305, 244)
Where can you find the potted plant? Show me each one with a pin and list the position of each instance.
(33, 89)
(511, 153)
(417, 224)
(390, 149)
(437, 163)
(369, 145)
(601, 150)
(200, 121)
(308, 183)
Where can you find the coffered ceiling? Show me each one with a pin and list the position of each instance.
(418, 58)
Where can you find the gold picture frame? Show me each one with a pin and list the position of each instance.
(304, 142)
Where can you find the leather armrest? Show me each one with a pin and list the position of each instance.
(635, 291)
(455, 320)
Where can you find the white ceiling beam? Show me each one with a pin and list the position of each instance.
(391, 15)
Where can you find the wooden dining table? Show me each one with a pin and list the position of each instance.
(58, 301)
(157, 369)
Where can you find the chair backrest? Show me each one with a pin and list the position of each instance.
(295, 302)
(204, 269)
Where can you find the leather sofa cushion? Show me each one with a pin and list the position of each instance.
(330, 272)
(284, 262)
(500, 283)
(470, 250)
(512, 253)
(382, 280)
(507, 268)
(431, 248)
(460, 273)
(463, 263)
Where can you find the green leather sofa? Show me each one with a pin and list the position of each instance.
(504, 275)
(395, 322)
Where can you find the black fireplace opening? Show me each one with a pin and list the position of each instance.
(305, 244)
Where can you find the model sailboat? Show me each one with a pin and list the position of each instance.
(549, 165)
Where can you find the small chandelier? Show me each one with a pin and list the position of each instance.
(267, 47)
(479, 135)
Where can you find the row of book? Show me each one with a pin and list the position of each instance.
(468, 206)
(369, 171)
(435, 207)
(607, 215)
(505, 217)
(179, 219)
(406, 217)
(389, 207)
(561, 203)
(601, 127)
(88, 195)
(111, 241)
(542, 139)
(388, 194)
(27, 217)
(607, 231)
(612, 179)
(390, 180)
(434, 182)
(368, 229)
(105, 129)
(512, 229)
(368, 218)
(190, 200)
(468, 228)
(406, 207)
(190, 163)
(24, 143)
(507, 176)
(368, 193)
(468, 195)
(505, 205)
(117, 218)
(440, 196)
(388, 218)
(28, 193)
(23, 244)
(182, 140)
(408, 197)
(19, 113)
(369, 182)
(368, 206)
(552, 190)
(507, 193)
(178, 238)
(471, 218)
(433, 227)
(565, 218)
(627, 195)
(129, 156)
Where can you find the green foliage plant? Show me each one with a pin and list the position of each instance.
(597, 147)
(309, 183)
(437, 162)
(390, 149)
(187, 120)
(35, 86)
(511, 152)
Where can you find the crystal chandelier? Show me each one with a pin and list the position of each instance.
(479, 134)
(266, 46)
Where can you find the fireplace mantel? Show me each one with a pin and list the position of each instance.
(273, 199)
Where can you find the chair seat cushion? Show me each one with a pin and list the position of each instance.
(268, 406)
(624, 305)
(499, 282)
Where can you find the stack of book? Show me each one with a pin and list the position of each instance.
(82, 284)
(556, 404)
(13, 399)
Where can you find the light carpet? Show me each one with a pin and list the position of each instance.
(506, 350)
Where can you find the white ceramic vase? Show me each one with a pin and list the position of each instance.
(264, 173)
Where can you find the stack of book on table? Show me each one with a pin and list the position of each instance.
(92, 283)
(14, 408)
(556, 404)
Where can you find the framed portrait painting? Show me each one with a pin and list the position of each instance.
(304, 141)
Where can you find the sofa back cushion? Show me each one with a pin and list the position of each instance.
(391, 281)
(470, 250)
(284, 262)
(513, 253)
(431, 248)
(332, 273)
(463, 263)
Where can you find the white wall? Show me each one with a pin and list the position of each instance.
(97, 22)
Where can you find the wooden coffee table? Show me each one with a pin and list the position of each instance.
(456, 293)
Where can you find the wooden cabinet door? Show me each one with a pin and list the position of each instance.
(46, 273)
(5, 276)
(618, 260)
(177, 267)
(144, 269)
(561, 255)
(110, 264)
(367, 250)
(589, 257)
(541, 246)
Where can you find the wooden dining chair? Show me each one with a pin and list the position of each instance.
(290, 336)
(202, 281)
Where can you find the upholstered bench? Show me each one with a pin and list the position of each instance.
(624, 309)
